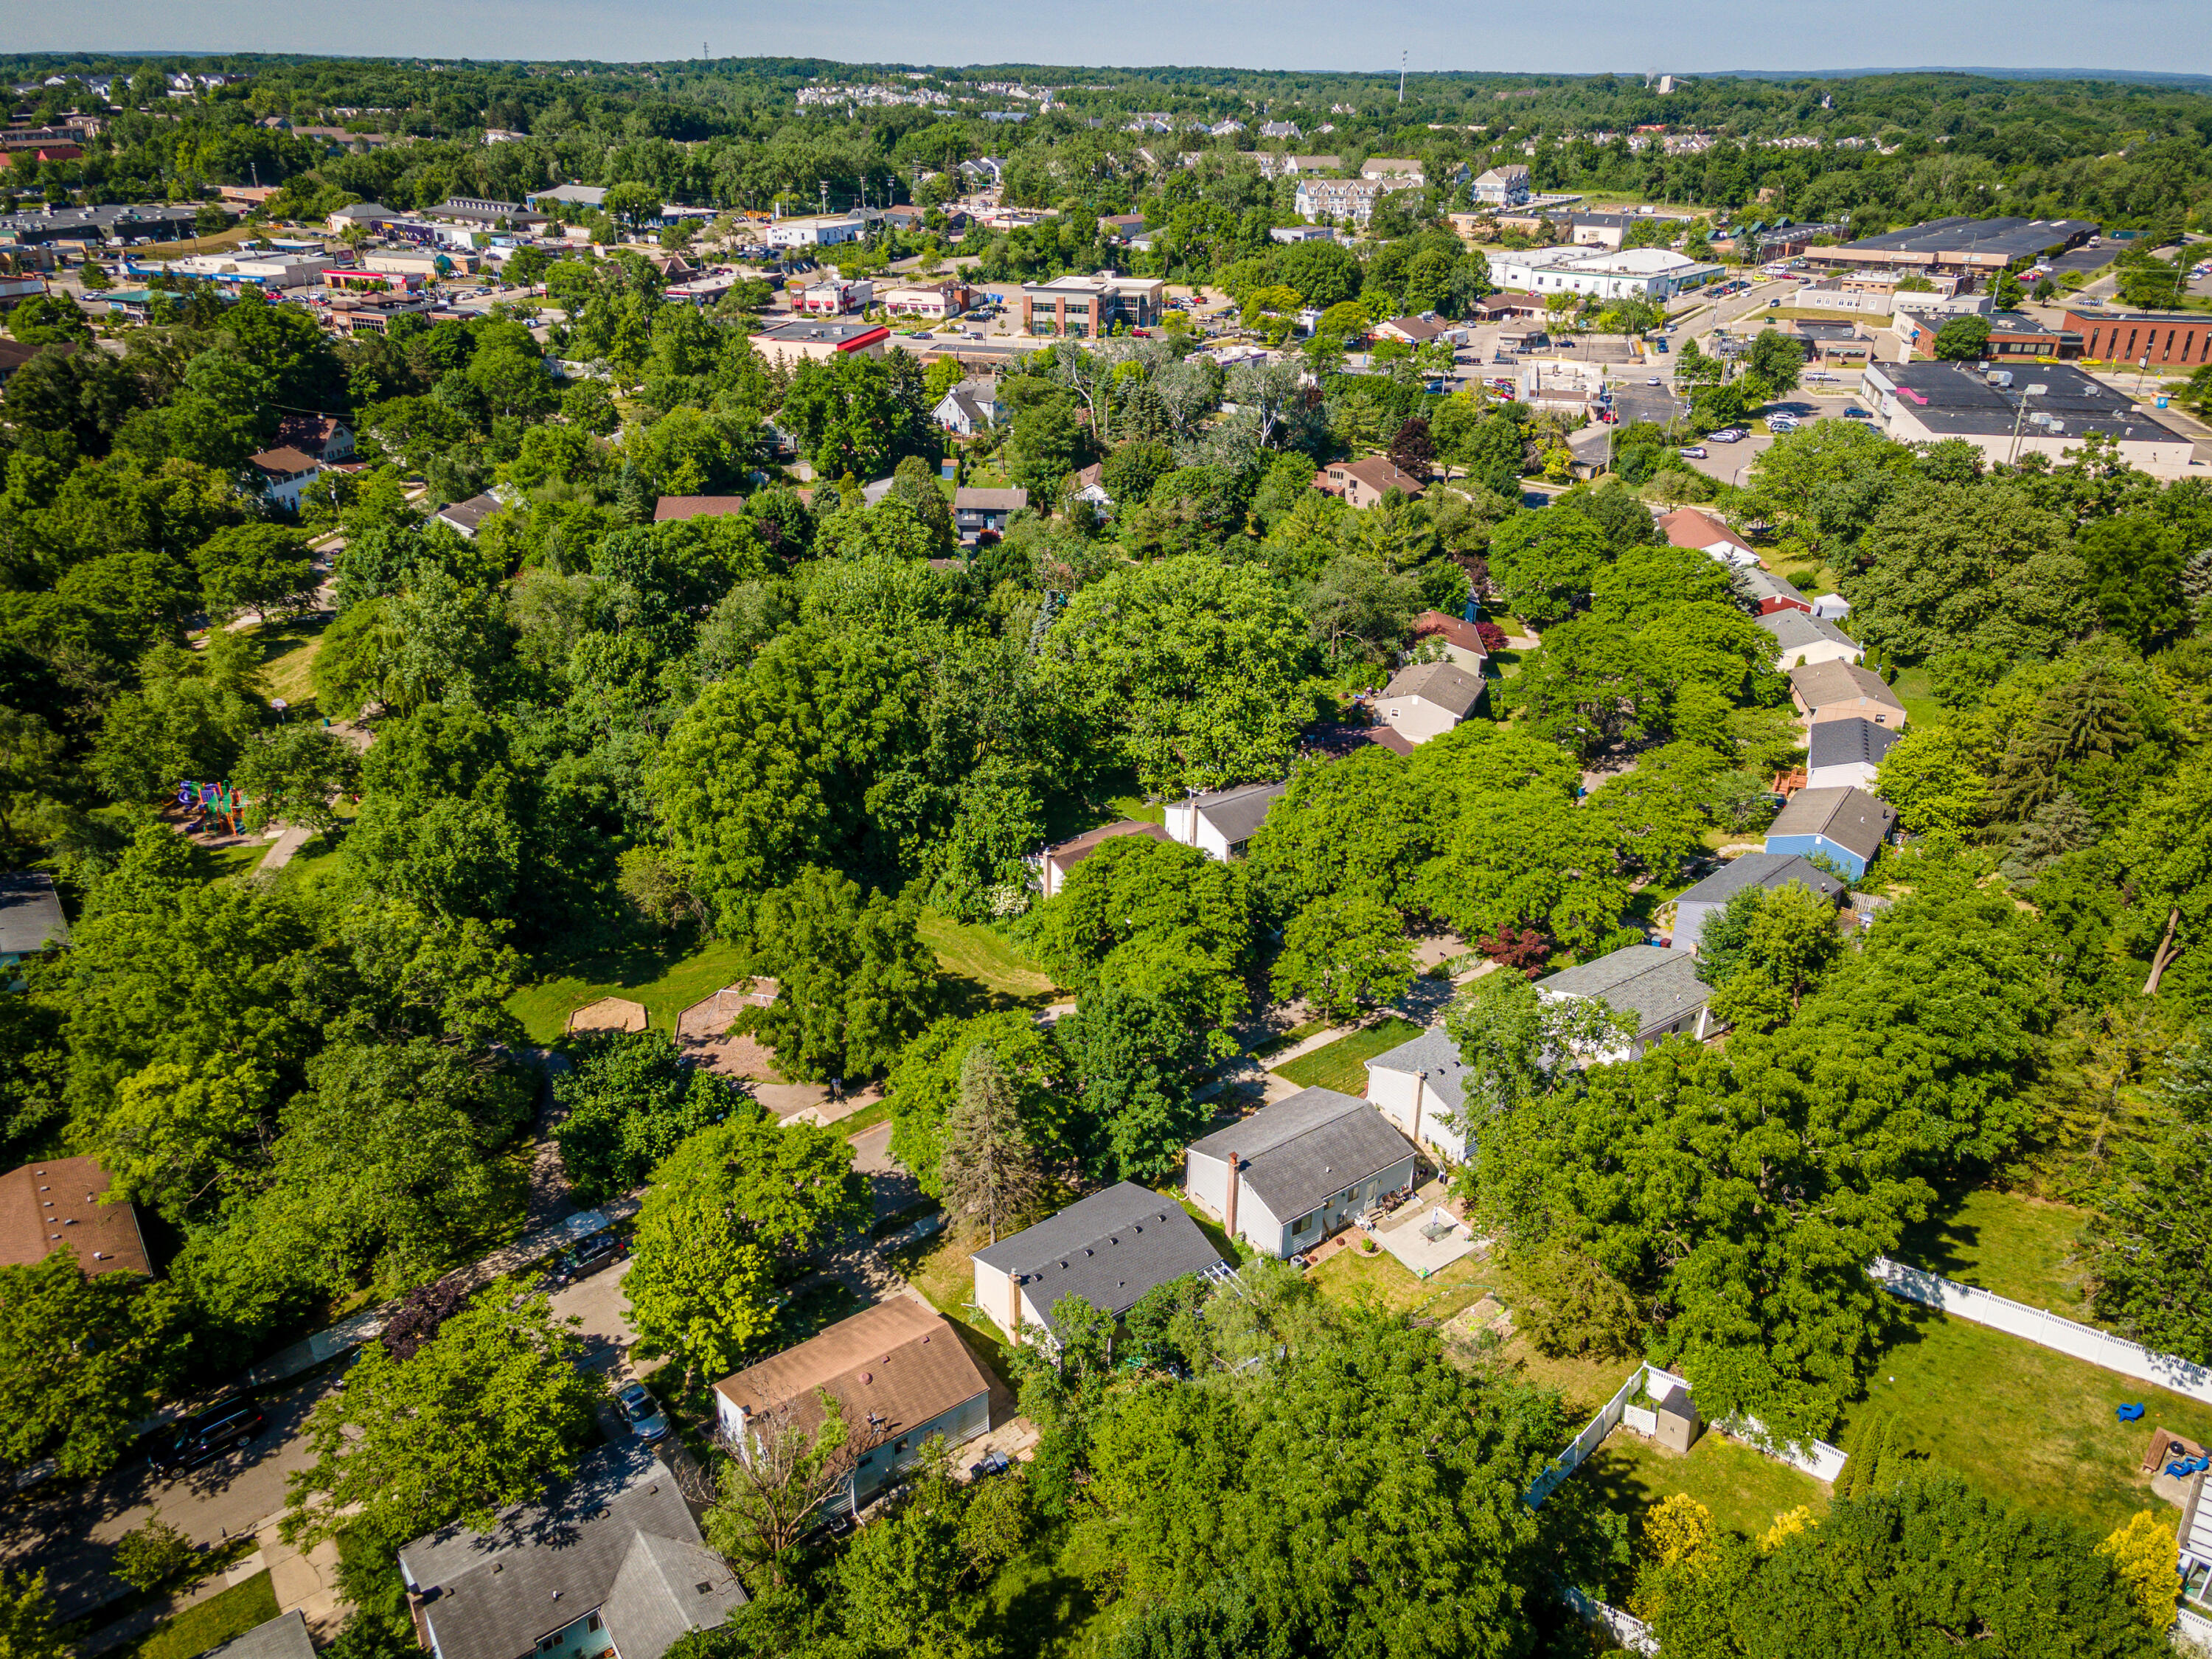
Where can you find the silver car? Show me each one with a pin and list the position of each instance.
(646, 1420)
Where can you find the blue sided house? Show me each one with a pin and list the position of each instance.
(1846, 826)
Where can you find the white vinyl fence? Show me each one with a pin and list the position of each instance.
(2041, 1326)
(1644, 1379)
(1632, 1632)
(1815, 1457)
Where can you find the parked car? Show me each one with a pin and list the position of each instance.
(1781, 423)
(1693, 453)
(1653, 380)
(1853, 412)
(583, 1259)
(646, 1420)
(206, 1435)
(1727, 434)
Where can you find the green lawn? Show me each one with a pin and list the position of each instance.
(987, 971)
(2023, 1421)
(228, 1614)
(1914, 691)
(667, 978)
(1743, 1488)
(2016, 1246)
(1341, 1064)
(1350, 1278)
(288, 658)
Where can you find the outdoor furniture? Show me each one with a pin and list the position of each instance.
(2128, 1413)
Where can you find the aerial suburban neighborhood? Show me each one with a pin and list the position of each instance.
(820, 862)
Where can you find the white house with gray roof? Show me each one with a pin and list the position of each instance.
(1846, 754)
(1802, 639)
(1657, 990)
(1291, 1174)
(1425, 700)
(1221, 822)
(1109, 1248)
(1420, 1087)
(612, 1563)
(1764, 871)
(284, 1637)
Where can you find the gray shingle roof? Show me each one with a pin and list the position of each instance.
(1764, 870)
(1850, 817)
(497, 1590)
(1434, 1056)
(1109, 1248)
(1236, 813)
(1307, 1148)
(1653, 986)
(1842, 742)
(665, 1590)
(1444, 684)
(1794, 630)
(30, 913)
(284, 1637)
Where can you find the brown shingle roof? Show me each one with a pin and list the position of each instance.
(897, 1363)
(1379, 473)
(1069, 854)
(1824, 682)
(55, 1206)
(696, 506)
(990, 501)
(1686, 526)
(1446, 684)
(1453, 629)
(286, 460)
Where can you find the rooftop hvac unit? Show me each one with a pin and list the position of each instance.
(2001, 377)
(2056, 425)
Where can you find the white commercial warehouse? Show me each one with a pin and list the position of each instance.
(1640, 273)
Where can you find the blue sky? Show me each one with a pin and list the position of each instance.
(1573, 36)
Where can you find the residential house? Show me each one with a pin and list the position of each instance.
(1657, 990)
(284, 1637)
(1846, 826)
(899, 1370)
(978, 513)
(680, 509)
(1461, 642)
(1121, 227)
(1690, 526)
(1349, 199)
(1414, 331)
(1846, 753)
(1091, 486)
(1109, 1248)
(31, 916)
(1283, 167)
(55, 1205)
(1500, 307)
(1842, 691)
(1056, 864)
(1421, 1087)
(325, 437)
(1766, 592)
(14, 354)
(1428, 699)
(468, 516)
(792, 343)
(1291, 1174)
(283, 475)
(1763, 871)
(1362, 483)
(1280, 130)
(1804, 639)
(1397, 170)
(1293, 233)
(1503, 186)
(969, 407)
(610, 1563)
(1221, 822)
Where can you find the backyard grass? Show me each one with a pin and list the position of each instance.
(1381, 1279)
(2021, 1419)
(1341, 1065)
(938, 1266)
(994, 973)
(2008, 1243)
(288, 660)
(1138, 808)
(207, 1624)
(1744, 1489)
(1915, 692)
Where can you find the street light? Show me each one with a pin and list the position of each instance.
(2036, 390)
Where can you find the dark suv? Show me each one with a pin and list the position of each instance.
(206, 1435)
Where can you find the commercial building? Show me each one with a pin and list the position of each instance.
(1641, 273)
(235, 270)
(2179, 339)
(935, 300)
(1092, 306)
(1960, 246)
(816, 231)
(1110, 1249)
(1291, 1174)
(2046, 409)
(144, 223)
(834, 296)
(485, 213)
(792, 344)
(900, 1374)
(2012, 334)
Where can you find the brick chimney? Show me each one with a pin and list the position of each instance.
(1228, 1213)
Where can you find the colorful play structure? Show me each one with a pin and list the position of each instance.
(214, 803)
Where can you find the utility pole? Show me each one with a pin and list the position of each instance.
(824, 184)
(1401, 78)
(2020, 415)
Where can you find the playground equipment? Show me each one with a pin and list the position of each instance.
(214, 803)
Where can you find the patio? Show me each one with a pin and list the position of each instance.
(1428, 1237)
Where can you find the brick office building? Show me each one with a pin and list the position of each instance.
(2180, 338)
(1091, 307)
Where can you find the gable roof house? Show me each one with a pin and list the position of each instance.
(1421, 1087)
(1503, 186)
(898, 1369)
(968, 408)
(1686, 526)
(1427, 699)
(1109, 1248)
(1766, 592)
(468, 516)
(31, 916)
(1221, 822)
(1764, 871)
(681, 509)
(325, 437)
(1361, 482)
(1803, 639)
(1657, 989)
(978, 513)
(613, 1562)
(1291, 1174)
(284, 1637)
(1055, 864)
(1848, 753)
(1461, 641)
(283, 475)
(1846, 826)
(1842, 691)
(1413, 331)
